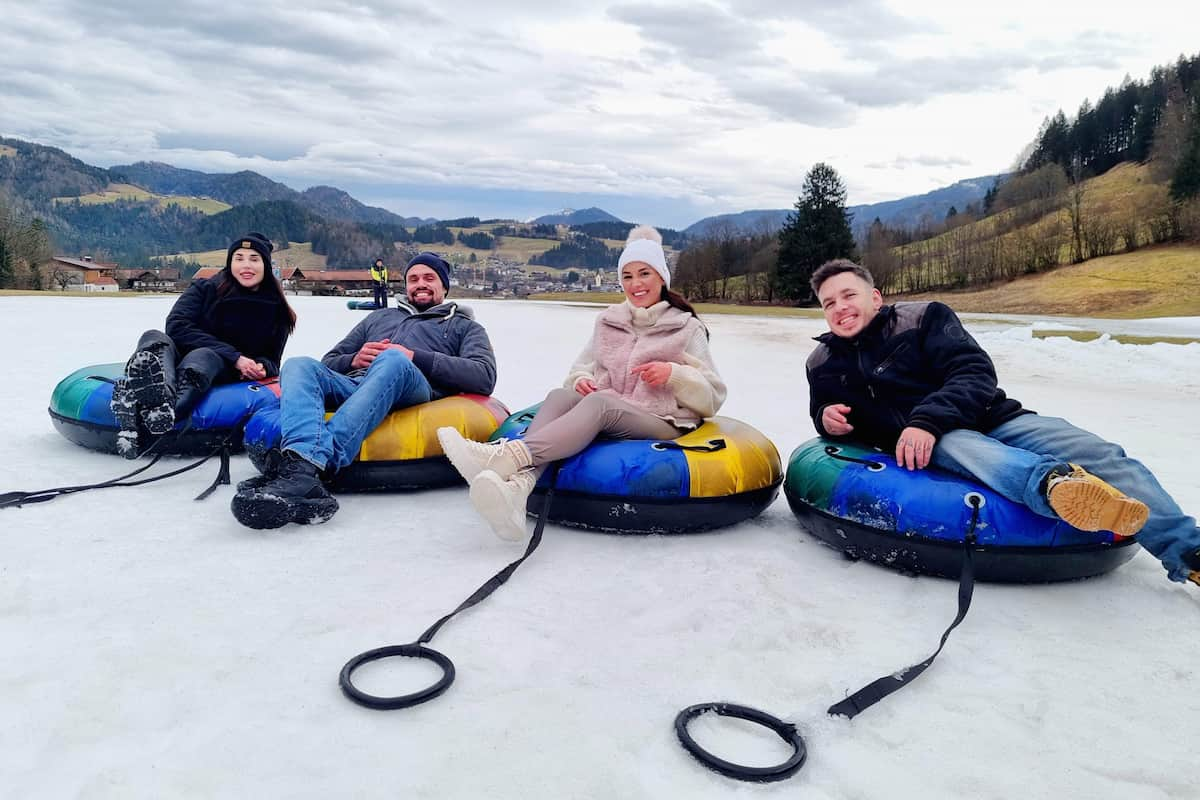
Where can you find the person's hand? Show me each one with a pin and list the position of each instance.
(368, 353)
(408, 353)
(250, 369)
(914, 448)
(833, 419)
(585, 386)
(654, 373)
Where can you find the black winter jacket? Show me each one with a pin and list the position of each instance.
(912, 365)
(450, 348)
(239, 323)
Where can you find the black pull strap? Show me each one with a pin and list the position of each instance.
(18, 499)
(418, 649)
(875, 691)
(500, 578)
(222, 478)
(713, 446)
(833, 451)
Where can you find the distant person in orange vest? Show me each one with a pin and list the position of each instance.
(379, 274)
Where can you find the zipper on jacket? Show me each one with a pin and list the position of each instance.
(887, 362)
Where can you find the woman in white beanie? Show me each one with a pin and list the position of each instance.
(646, 373)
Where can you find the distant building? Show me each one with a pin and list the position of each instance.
(147, 280)
(81, 274)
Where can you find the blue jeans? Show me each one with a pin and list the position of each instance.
(391, 382)
(1014, 459)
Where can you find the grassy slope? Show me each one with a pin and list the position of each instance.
(126, 191)
(299, 254)
(1159, 281)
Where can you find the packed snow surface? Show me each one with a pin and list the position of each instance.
(152, 647)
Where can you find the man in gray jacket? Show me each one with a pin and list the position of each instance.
(397, 357)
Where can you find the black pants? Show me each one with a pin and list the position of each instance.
(381, 295)
(190, 376)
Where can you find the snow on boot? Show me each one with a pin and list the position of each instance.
(1088, 503)
(124, 408)
(502, 502)
(154, 397)
(270, 472)
(295, 494)
(503, 457)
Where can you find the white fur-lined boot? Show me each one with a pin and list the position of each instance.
(504, 457)
(502, 502)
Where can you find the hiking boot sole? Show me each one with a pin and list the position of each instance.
(262, 511)
(1091, 507)
(124, 409)
(148, 389)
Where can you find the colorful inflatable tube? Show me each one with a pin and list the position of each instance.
(403, 453)
(79, 409)
(720, 474)
(859, 501)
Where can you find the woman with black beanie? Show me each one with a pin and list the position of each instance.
(230, 327)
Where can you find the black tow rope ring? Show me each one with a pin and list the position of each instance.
(784, 730)
(414, 650)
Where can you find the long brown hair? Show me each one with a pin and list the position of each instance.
(677, 300)
(271, 284)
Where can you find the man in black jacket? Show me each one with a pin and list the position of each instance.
(397, 357)
(907, 378)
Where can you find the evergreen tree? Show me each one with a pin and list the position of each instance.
(817, 231)
(1185, 183)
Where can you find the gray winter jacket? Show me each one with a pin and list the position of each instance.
(450, 348)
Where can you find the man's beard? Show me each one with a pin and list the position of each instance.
(423, 304)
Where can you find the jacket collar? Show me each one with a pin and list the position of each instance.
(448, 310)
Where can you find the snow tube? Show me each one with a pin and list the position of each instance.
(79, 409)
(403, 453)
(858, 500)
(720, 474)
(361, 305)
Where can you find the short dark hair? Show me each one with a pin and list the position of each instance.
(836, 267)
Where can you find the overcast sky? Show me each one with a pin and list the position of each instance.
(662, 113)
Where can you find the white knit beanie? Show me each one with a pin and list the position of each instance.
(645, 244)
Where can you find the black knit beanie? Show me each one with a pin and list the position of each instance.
(435, 263)
(253, 241)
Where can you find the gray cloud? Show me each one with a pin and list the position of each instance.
(512, 96)
(923, 160)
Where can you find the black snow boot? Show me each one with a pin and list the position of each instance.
(152, 389)
(295, 494)
(192, 388)
(125, 409)
(270, 472)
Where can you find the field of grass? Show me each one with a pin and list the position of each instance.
(512, 248)
(1159, 281)
(298, 254)
(1123, 338)
(126, 191)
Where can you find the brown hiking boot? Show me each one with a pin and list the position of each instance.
(1089, 504)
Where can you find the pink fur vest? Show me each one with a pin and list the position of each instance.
(619, 346)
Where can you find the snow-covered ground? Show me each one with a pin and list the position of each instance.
(152, 647)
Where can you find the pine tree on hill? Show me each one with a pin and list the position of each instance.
(817, 231)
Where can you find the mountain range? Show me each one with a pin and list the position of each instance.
(569, 216)
(41, 177)
(905, 212)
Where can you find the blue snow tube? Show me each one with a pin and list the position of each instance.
(858, 500)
